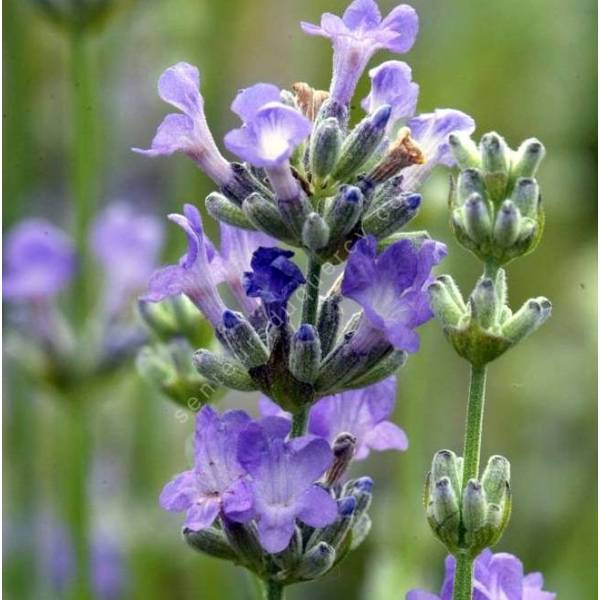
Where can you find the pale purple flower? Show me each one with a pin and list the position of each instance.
(56, 554)
(217, 484)
(195, 275)
(39, 261)
(364, 413)
(271, 130)
(358, 35)
(283, 475)
(431, 132)
(391, 288)
(126, 244)
(108, 568)
(188, 131)
(391, 84)
(496, 577)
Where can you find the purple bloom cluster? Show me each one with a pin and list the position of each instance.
(248, 470)
(497, 577)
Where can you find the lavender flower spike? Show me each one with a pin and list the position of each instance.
(193, 276)
(188, 132)
(283, 480)
(217, 484)
(39, 261)
(270, 133)
(391, 288)
(274, 278)
(126, 244)
(358, 35)
(391, 83)
(497, 577)
(431, 132)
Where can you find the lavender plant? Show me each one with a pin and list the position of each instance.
(272, 494)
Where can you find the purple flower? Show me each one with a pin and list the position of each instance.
(358, 35)
(126, 244)
(273, 279)
(217, 484)
(391, 288)
(195, 275)
(56, 554)
(391, 84)
(363, 413)
(271, 130)
(108, 572)
(497, 577)
(431, 132)
(283, 475)
(39, 261)
(188, 132)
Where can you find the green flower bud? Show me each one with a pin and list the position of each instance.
(211, 541)
(526, 196)
(325, 147)
(464, 150)
(495, 156)
(344, 212)
(484, 303)
(316, 562)
(294, 212)
(477, 219)
(383, 369)
(264, 215)
(447, 465)
(243, 539)
(390, 216)
(507, 225)
(315, 232)
(222, 209)
(527, 319)
(474, 507)
(328, 322)
(360, 531)
(527, 158)
(470, 181)
(443, 304)
(243, 341)
(305, 354)
(496, 479)
(223, 370)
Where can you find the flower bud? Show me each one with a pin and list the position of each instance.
(389, 190)
(390, 216)
(360, 531)
(222, 209)
(328, 322)
(474, 507)
(477, 219)
(325, 144)
(361, 143)
(383, 369)
(484, 303)
(315, 232)
(243, 184)
(527, 319)
(316, 561)
(443, 511)
(527, 158)
(333, 108)
(243, 341)
(223, 371)
(494, 154)
(154, 367)
(361, 489)
(210, 541)
(344, 212)
(464, 150)
(334, 534)
(265, 216)
(507, 225)
(443, 305)
(496, 479)
(305, 354)
(243, 538)
(447, 464)
(470, 181)
(526, 196)
(294, 212)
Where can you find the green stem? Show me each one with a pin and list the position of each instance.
(471, 457)
(299, 420)
(82, 159)
(311, 299)
(272, 590)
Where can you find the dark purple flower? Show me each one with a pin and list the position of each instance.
(358, 35)
(273, 279)
(188, 132)
(364, 413)
(39, 261)
(108, 568)
(497, 577)
(391, 84)
(271, 129)
(391, 288)
(195, 275)
(217, 484)
(126, 243)
(283, 475)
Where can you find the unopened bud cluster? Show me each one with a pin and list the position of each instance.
(311, 553)
(496, 208)
(467, 517)
(484, 327)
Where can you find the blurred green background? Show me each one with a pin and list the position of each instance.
(521, 67)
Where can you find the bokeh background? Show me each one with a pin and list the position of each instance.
(521, 67)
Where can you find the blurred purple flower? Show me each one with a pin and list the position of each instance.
(273, 278)
(56, 554)
(271, 129)
(391, 288)
(108, 568)
(188, 132)
(126, 244)
(497, 577)
(282, 480)
(217, 483)
(358, 35)
(39, 261)
(195, 275)
(364, 413)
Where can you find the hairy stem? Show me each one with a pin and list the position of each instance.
(471, 457)
(311, 299)
(272, 590)
(299, 421)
